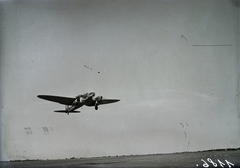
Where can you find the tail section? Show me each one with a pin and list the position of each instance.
(65, 111)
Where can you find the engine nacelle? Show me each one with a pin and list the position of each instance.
(78, 98)
(99, 98)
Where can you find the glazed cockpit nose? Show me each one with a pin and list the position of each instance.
(91, 94)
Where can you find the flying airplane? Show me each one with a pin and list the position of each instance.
(71, 104)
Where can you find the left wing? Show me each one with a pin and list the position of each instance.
(58, 99)
(107, 101)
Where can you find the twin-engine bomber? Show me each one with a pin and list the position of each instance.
(71, 104)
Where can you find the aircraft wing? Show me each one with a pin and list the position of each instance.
(106, 101)
(57, 99)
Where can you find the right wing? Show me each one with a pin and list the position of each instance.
(58, 99)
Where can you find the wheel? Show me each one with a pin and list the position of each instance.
(96, 107)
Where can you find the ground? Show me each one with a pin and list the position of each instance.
(214, 158)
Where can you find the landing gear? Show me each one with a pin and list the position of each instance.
(96, 105)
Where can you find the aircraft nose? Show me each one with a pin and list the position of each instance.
(92, 94)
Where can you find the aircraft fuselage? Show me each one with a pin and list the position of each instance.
(86, 99)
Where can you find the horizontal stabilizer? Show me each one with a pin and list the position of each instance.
(64, 111)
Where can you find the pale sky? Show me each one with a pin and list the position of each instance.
(173, 64)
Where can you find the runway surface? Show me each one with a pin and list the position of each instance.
(219, 158)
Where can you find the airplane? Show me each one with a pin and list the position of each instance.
(71, 104)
